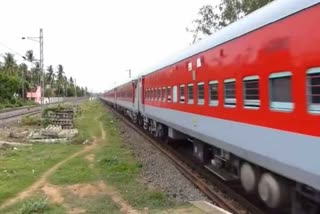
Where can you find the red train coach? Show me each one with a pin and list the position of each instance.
(248, 98)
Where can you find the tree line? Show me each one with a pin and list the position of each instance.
(16, 79)
(213, 17)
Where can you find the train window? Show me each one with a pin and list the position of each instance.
(153, 94)
(199, 62)
(213, 93)
(200, 93)
(251, 92)
(314, 90)
(230, 93)
(163, 94)
(190, 93)
(189, 66)
(169, 94)
(146, 94)
(182, 94)
(175, 94)
(159, 94)
(280, 91)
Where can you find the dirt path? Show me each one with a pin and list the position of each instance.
(42, 180)
(55, 193)
(115, 196)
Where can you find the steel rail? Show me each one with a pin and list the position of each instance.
(30, 110)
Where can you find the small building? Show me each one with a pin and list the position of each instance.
(35, 94)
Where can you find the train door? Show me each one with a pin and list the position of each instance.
(141, 95)
(135, 96)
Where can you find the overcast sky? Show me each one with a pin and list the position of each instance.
(98, 40)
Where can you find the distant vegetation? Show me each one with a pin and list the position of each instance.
(212, 18)
(17, 79)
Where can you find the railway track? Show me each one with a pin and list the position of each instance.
(197, 177)
(8, 116)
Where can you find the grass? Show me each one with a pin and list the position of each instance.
(31, 120)
(20, 168)
(87, 121)
(119, 168)
(113, 164)
(37, 204)
(74, 171)
(93, 204)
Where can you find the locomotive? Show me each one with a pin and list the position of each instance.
(248, 98)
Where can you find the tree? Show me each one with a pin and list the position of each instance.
(71, 81)
(29, 56)
(18, 79)
(10, 65)
(213, 18)
(60, 80)
(9, 85)
(23, 73)
(50, 75)
(36, 73)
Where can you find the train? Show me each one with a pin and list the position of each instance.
(248, 98)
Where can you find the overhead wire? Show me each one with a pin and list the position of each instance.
(15, 52)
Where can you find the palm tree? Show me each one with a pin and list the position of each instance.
(23, 72)
(10, 65)
(29, 56)
(60, 78)
(36, 73)
(50, 75)
(71, 81)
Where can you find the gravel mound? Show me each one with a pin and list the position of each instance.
(157, 170)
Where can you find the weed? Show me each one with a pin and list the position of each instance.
(31, 120)
(37, 205)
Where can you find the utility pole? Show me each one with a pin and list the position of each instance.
(41, 66)
(40, 40)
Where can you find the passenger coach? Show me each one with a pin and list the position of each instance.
(248, 98)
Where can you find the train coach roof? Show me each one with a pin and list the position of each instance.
(272, 12)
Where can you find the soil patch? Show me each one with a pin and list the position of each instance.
(85, 190)
(53, 192)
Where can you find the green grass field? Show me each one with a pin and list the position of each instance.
(20, 168)
(111, 163)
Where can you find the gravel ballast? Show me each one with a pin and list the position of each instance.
(157, 171)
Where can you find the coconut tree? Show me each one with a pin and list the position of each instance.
(60, 79)
(29, 56)
(9, 65)
(50, 75)
(23, 73)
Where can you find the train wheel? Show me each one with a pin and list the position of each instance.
(249, 177)
(273, 190)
